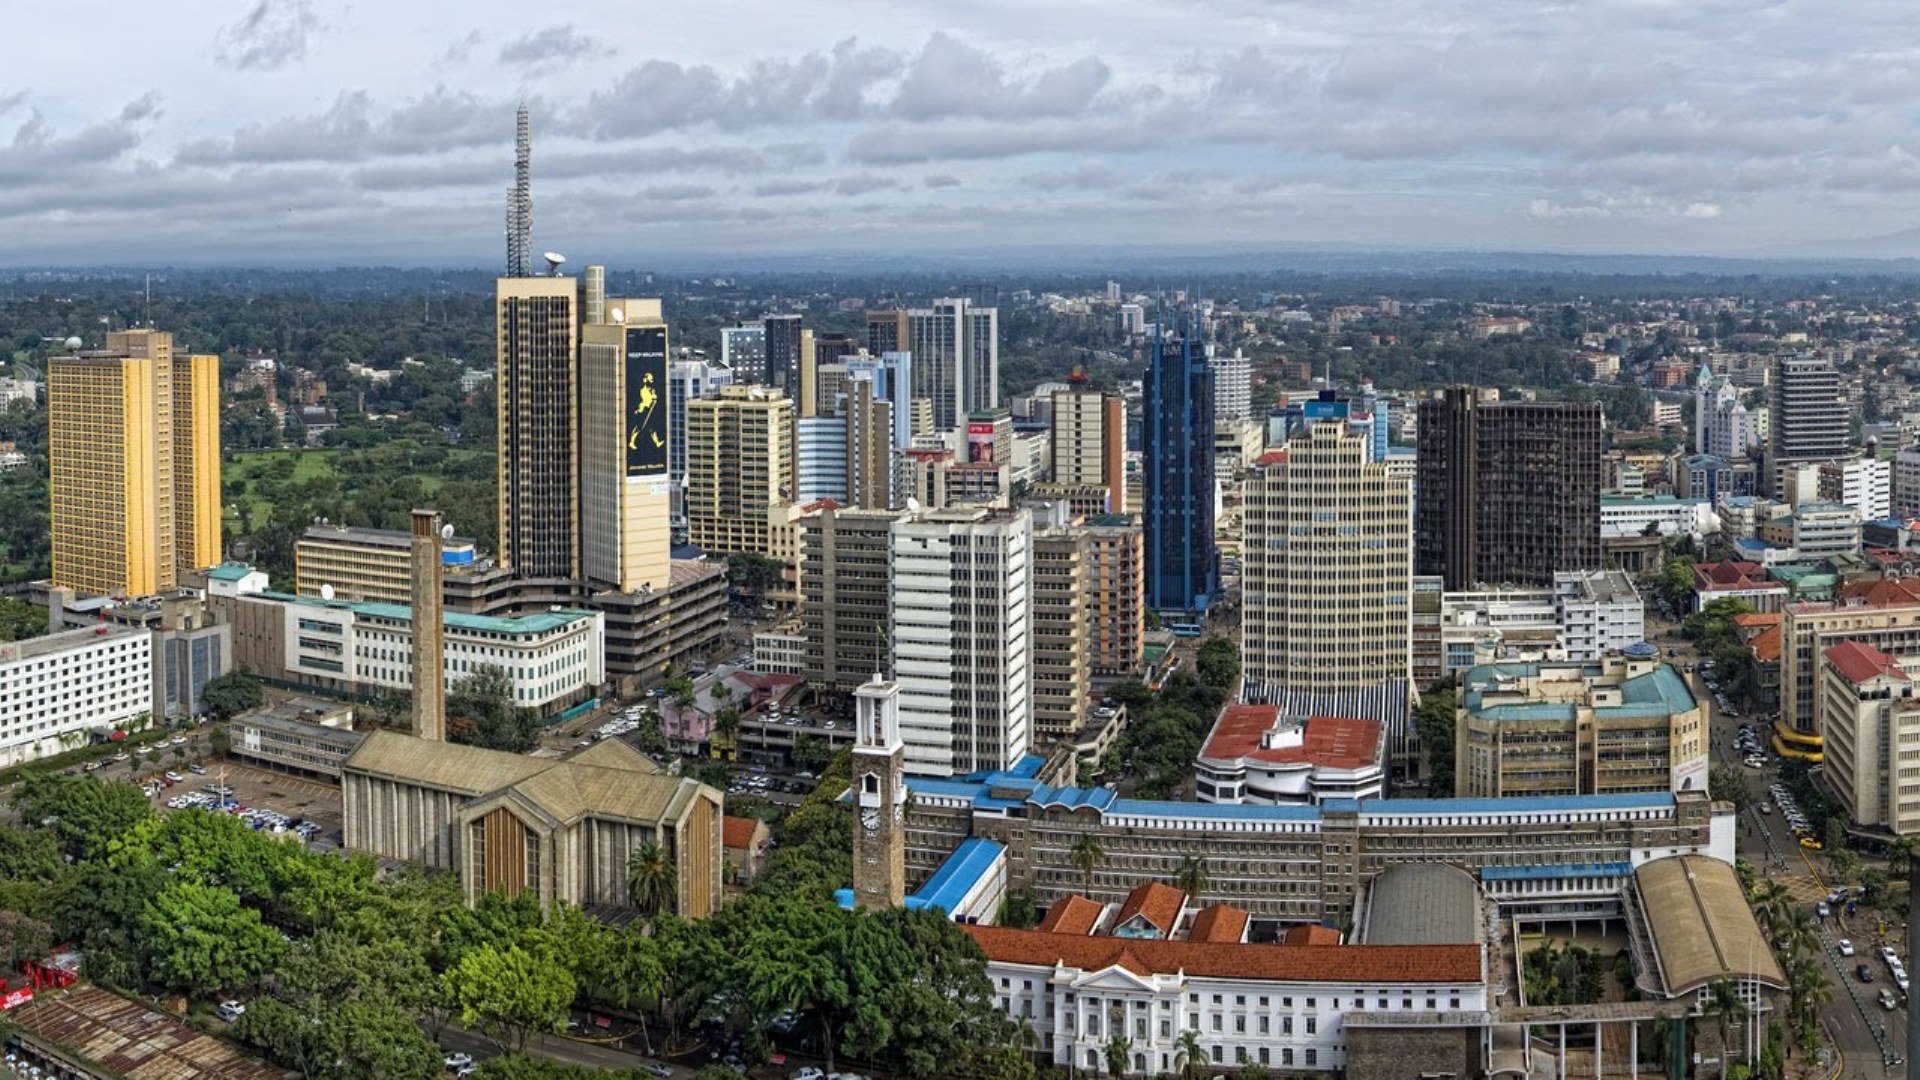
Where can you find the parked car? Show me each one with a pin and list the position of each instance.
(230, 1011)
(1864, 973)
(1845, 947)
(458, 1061)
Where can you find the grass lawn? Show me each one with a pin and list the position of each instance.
(309, 464)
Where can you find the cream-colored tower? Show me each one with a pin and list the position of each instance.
(880, 798)
(625, 495)
(740, 469)
(134, 449)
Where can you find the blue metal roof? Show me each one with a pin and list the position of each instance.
(1535, 804)
(950, 884)
(1073, 797)
(1169, 808)
(937, 786)
(1561, 870)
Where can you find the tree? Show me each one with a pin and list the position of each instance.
(811, 751)
(1725, 784)
(1218, 662)
(510, 993)
(20, 620)
(1834, 838)
(1727, 1008)
(202, 940)
(1087, 854)
(1020, 910)
(84, 814)
(22, 938)
(1118, 1049)
(1191, 878)
(1433, 721)
(481, 712)
(220, 742)
(232, 694)
(1188, 1055)
(1899, 857)
(652, 881)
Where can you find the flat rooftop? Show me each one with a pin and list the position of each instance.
(131, 1039)
(1260, 733)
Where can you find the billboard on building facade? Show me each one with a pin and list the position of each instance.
(980, 443)
(646, 400)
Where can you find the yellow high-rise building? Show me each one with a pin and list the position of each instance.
(134, 448)
(740, 471)
(625, 541)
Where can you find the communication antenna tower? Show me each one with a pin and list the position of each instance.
(520, 200)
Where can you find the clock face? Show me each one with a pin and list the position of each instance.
(870, 817)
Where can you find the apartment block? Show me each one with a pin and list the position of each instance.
(343, 563)
(1624, 724)
(56, 690)
(1871, 718)
(1062, 664)
(1116, 598)
(133, 446)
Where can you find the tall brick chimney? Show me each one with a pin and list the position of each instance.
(429, 630)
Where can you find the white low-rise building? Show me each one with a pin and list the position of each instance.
(55, 689)
(1257, 756)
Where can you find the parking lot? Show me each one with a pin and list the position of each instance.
(290, 796)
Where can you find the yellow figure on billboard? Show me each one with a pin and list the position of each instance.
(648, 398)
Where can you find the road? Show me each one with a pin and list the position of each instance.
(1861, 1029)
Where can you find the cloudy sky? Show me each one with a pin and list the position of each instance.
(320, 131)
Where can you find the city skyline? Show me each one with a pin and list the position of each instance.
(320, 133)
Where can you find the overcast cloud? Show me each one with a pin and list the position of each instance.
(321, 131)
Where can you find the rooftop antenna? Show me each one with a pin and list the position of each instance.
(520, 200)
(149, 301)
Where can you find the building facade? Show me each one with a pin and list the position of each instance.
(961, 633)
(1871, 717)
(1327, 568)
(625, 428)
(1062, 661)
(1808, 420)
(345, 563)
(133, 448)
(1624, 725)
(1177, 482)
(743, 351)
(740, 469)
(58, 689)
(1232, 388)
(1116, 596)
(687, 380)
(846, 584)
(536, 384)
(1089, 443)
(1506, 491)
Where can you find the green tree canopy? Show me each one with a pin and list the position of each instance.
(510, 993)
(481, 712)
(202, 940)
(232, 694)
(84, 814)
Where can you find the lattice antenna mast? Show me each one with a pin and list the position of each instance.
(520, 200)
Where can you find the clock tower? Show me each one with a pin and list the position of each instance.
(879, 798)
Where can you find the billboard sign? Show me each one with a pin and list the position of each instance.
(980, 443)
(646, 406)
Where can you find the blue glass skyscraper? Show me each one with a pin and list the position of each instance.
(1182, 564)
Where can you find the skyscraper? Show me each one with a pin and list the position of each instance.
(740, 468)
(743, 350)
(1505, 491)
(687, 380)
(1328, 571)
(1809, 416)
(133, 442)
(536, 380)
(789, 349)
(845, 584)
(961, 633)
(956, 355)
(1232, 388)
(1089, 440)
(1182, 565)
(625, 429)
(1061, 651)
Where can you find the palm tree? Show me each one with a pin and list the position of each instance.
(1087, 854)
(1188, 1055)
(1771, 902)
(1808, 993)
(1798, 931)
(652, 881)
(1900, 858)
(1119, 1048)
(1726, 1007)
(1191, 878)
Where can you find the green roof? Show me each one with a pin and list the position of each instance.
(540, 622)
(229, 571)
(1660, 692)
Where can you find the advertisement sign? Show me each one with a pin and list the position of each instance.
(13, 999)
(646, 400)
(980, 443)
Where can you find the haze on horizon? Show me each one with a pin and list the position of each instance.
(275, 131)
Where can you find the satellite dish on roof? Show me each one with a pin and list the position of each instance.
(326, 592)
(446, 532)
(618, 315)
(554, 261)
(73, 344)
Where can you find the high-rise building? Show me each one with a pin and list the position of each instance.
(1905, 494)
(687, 380)
(1864, 483)
(1062, 665)
(625, 428)
(956, 355)
(1089, 441)
(536, 380)
(820, 459)
(1506, 491)
(1177, 488)
(1809, 415)
(961, 629)
(845, 587)
(134, 461)
(1327, 568)
(789, 348)
(1869, 711)
(869, 448)
(743, 350)
(1232, 388)
(740, 469)
(1116, 599)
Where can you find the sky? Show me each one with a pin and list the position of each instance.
(319, 132)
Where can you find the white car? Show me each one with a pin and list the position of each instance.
(808, 1073)
(1845, 947)
(231, 1011)
(456, 1062)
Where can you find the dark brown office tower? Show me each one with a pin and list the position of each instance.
(830, 347)
(886, 332)
(1506, 491)
(845, 588)
(537, 383)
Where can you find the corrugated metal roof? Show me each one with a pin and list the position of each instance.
(949, 885)
(1422, 904)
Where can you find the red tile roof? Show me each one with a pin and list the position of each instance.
(1370, 964)
(1339, 742)
(1072, 915)
(1730, 574)
(1271, 457)
(737, 832)
(1221, 923)
(1311, 935)
(1157, 903)
(1757, 618)
(1884, 592)
(821, 504)
(1859, 662)
(1766, 644)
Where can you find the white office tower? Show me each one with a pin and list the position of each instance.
(961, 631)
(956, 359)
(1232, 388)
